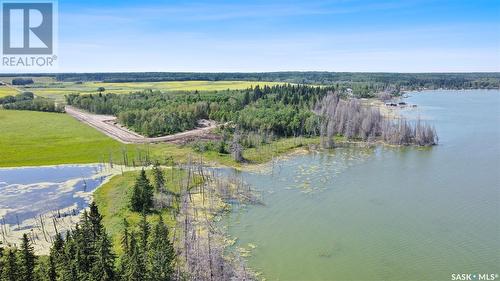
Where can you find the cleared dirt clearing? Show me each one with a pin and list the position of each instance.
(109, 126)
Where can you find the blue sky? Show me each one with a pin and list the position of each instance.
(338, 35)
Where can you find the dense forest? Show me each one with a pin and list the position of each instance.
(281, 110)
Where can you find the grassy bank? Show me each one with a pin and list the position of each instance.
(113, 197)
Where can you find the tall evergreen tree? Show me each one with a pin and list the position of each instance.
(136, 198)
(159, 178)
(85, 247)
(161, 253)
(125, 243)
(10, 270)
(27, 260)
(136, 270)
(147, 193)
(144, 229)
(103, 267)
(96, 220)
(142, 194)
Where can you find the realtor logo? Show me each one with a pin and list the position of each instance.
(28, 28)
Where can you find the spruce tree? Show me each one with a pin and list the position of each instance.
(125, 243)
(136, 270)
(136, 198)
(144, 229)
(159, 178)
(85, 246)
(68, 266)
(147, 193)
(142, 194)
(55, 257)
(10, 270)
(26, 260)
(52, 270)
(161, 253)
(125, 237)
(96, 221)
(103, 267)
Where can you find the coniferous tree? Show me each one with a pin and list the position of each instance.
(10, 270)
(125, 243)
(142, 194)
(103, 267)
(136, 270)
(159, 178)
(68, 268)
(55, 257)
(144, 229)
(85, 247)
(27, 260)
(136, 198)
(96, 220)
(147, 194)
(161, 253)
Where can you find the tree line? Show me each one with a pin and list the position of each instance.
(409, 81)
(86, 253)
(28, 101)
(280, 110)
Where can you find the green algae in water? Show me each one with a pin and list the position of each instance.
(385, 213)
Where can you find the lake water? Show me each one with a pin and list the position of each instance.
(385, 213)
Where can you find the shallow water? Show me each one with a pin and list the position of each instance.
(32, 191)
(385, 213)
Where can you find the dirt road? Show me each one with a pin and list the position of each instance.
(109, 126)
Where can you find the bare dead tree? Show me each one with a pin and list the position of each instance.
(355, 121)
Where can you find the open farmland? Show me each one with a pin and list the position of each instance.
(6, 91)
(40, 138)
(56, 90)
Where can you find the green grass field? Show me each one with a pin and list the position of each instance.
(39, 138)
(6, 91)
(29, 138)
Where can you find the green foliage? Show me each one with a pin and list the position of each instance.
(86, 254)
(37, 104)
(22, 81)
(27, 260)
(159, 177)
(142, 194)
(161, 253)
(10, 268)
(281, 109)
